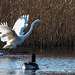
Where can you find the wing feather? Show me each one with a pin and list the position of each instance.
(6, 34)
(21, 24)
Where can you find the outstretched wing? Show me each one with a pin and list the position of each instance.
(7, 34)
(20, 25)
(3, 30)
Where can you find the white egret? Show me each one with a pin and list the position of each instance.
(15, 36)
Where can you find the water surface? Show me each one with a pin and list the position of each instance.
(12, 65)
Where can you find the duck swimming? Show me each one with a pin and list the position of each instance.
(31, 65)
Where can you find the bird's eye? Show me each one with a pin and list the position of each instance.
(0, 32)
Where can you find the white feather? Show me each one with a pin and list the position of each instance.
(14, 37)
(21, 24)
(8, 35)
(28, 67)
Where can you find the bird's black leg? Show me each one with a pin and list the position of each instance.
(5, 51)
(1, 50)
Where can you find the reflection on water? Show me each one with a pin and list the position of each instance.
(12, 65)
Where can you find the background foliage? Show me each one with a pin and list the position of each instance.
(59, 14)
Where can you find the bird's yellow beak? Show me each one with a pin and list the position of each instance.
(44, 22)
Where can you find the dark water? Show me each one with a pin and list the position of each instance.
(12, 65)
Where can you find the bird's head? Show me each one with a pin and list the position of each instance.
(44, 22)
(38, 20)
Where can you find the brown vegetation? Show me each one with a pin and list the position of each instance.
(59, 14)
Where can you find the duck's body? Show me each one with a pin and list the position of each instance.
(31, 65)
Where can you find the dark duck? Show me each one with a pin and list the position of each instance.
(31, 65)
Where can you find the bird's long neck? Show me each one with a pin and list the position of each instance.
(29, 32)
(33, 58)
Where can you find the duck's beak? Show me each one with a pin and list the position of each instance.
(44, 22)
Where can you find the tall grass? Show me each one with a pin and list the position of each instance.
(59, 14)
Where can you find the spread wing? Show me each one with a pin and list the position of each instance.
(20, 25)
(6, 34)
